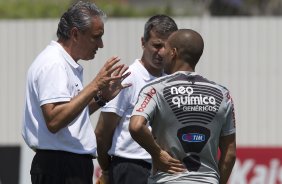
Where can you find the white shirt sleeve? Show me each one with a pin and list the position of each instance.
(52, 84)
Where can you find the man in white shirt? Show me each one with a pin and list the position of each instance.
(119, 155)
(57, 109)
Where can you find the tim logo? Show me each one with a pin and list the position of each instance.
(193, 137)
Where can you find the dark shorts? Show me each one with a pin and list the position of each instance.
(60, 167)
(129, 171)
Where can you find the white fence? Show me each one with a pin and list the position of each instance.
(241, 53)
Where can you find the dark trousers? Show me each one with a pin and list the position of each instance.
(129, 171)
(60, 167)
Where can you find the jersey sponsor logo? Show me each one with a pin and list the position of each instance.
(193, 137)
(147, 99)
(196, 103)
(199, 108)
(186, 97)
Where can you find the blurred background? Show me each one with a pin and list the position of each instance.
(243, 52)
(30, 9)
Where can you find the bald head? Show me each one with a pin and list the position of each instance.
(189, 45)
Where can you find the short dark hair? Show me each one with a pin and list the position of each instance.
(189, 45)
(80, 16)
(161, 24)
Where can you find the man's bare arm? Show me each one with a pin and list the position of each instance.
(227, 146)
(143, 136)
(104, 131)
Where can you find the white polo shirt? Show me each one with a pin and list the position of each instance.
(122, 144)
(55, 77)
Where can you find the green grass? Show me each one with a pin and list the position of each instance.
(32, 9)
(22, 9)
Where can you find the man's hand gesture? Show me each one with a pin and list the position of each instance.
(110, 77)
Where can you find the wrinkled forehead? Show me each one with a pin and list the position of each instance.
(160, 36)
(97, 26)
(155, 39)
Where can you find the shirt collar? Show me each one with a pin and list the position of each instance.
(146, 75)
(187, 72)
(67, 57)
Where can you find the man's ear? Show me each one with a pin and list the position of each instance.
(74, 33)
(142, 42)
(174, 53)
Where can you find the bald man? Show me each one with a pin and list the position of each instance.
(191, 119)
